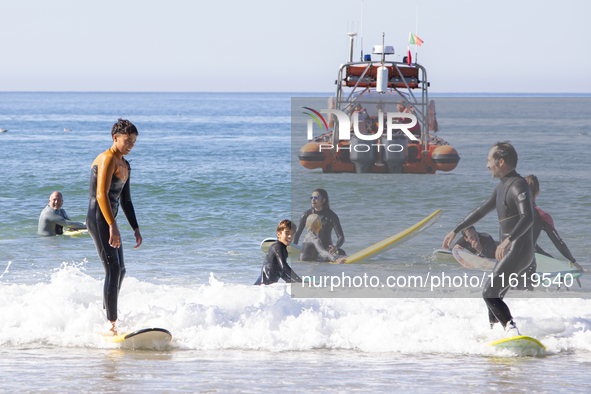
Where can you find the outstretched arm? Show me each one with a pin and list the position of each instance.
(55, 218)
(287, 274)
(559, 243)
(321, 251)
(473, 217)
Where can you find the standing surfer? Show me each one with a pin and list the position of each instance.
(109, 188)
(514, 204)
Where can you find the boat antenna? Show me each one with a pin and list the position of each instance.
(351, 35)
(361, 35)
(383, 48)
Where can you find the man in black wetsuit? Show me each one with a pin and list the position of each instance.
(514, 204)
(275, 265)
(480, 244)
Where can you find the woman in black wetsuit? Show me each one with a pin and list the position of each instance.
(329, 219)
(109, 188)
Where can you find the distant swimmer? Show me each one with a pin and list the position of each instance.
(275, 266)
(109, 188)
(480, 244)
(312, 248)
(514, 204)
(543, 221)
(329, 219)
(54, 218)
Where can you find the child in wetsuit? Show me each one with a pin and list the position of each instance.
(312, 248)
(275, 265)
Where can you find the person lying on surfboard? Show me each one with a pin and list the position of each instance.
(312, 248)
(329, 219)
(275, 265)
(480, 244)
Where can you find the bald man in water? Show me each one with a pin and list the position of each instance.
(53, 218)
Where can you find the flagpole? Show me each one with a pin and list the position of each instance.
(417, 33)
(361, 30)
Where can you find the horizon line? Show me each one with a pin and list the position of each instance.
(298, 93)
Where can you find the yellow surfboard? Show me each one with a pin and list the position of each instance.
(147, 338)
(76, 233)
(521, 344)
(394, 240)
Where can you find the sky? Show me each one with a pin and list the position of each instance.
(519, 46)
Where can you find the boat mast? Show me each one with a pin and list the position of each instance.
(417, 33)
(361, 36)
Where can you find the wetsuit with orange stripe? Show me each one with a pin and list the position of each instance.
(109, 189)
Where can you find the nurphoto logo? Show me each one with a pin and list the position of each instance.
(393, 122)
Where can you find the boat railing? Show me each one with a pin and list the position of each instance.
(403, 80)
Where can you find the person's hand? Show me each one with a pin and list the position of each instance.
(332, 249)
(449, 238)
(503, 249)
(578, 266)
(476, 245)
(114, 236)
(341, 260)
(138, 238)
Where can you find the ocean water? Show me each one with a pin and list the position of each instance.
(212, 175)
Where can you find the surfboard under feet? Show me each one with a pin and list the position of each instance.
(521, 344)
(146, 338)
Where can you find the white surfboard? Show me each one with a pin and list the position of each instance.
(147, 338)
(522, 345)
(293, 251)
(470, 260)
(443, 256)
(395, 240)
(546, 264)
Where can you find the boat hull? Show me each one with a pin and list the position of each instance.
(317, 155)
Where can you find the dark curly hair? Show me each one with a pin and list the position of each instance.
(123, 127)
(506, 151)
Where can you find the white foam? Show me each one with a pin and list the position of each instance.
(67, 311)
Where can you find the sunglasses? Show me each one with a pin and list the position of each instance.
(314, 198)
